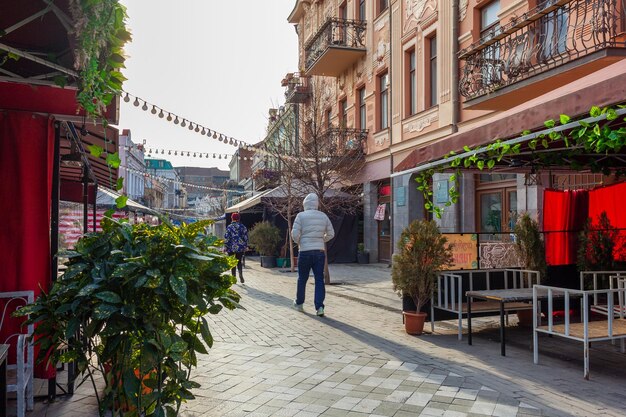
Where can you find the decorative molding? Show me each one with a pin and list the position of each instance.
(422, 122)
(381, 23)
(463, 9)
(381, 138)
(467, 36)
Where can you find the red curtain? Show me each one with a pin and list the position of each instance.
(26, 160)
(612, 200)
(564, 214)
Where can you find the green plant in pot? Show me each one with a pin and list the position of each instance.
(362, 255)
(422, 252)
(531, 250)
(265, 238)
(132, 304)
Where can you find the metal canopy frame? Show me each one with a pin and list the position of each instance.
(523, 161)
(17, 72)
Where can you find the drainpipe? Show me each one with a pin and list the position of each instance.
(455, 96)
(390, 99)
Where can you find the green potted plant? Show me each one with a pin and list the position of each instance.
(362, 255)
(597, 245)
(283, 260)
(265, 238)
(132, 305)
(531, 250)
(422, 252)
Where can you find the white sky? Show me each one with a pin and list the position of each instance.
(216, 63)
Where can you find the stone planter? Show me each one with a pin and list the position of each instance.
(268, 261)
(363, 257)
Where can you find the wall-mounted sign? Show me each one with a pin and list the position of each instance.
(441, 191)
(400, 195)
(464, 250)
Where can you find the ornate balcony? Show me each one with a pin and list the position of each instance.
(298, 88)
(553, 44)
(344, 142)
(338, 44)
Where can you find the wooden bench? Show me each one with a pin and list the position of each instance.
(451, 287)
(612, 328)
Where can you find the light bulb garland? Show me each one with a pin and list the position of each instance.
(163, 179)
(192, 126)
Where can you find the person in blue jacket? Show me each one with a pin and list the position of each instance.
(236, 243)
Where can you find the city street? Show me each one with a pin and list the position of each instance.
(271, 360)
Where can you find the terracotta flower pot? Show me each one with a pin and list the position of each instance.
(414, 322)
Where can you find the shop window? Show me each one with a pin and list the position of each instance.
(496, 206)
(362, 109)
(432, 71)
(383, 101)
(411, 83)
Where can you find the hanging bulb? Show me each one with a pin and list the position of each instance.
(136, 102)
(220, 157)
(144, 107)
(184, 123)
(175, 153)
(169, 117)
(197, 129)
(221, 138)
(188, 154)
(213, 156)
(161, 114)
(153, 111)
(169, 152)
(190, 126)
(126, 98)
(162, 151)
(207, 155)
(176, 120)
(239, 157)
(230, 141)
(194, 154)
(214, 135)
(235, 143)
(203, 131)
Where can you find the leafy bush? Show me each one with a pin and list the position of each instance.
(265, 238)
(423, 251)
(132, 304)
(529, 245)
(598, 244)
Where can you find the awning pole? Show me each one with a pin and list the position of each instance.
(54, 209)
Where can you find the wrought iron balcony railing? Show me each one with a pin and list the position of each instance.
(298, 88)
(335, 33)
(344, 141)
(554, 33)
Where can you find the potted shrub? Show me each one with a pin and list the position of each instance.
(530, 248)
(362, 255)
(265, 238)
(132, 305)
(422, 252)
(283, 260)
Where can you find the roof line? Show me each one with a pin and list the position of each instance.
(514, 141)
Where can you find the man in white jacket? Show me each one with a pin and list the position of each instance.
(311, 230)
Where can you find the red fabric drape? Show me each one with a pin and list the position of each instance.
(612, 200)
(26, 160)
(564, 213)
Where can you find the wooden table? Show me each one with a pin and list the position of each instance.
(4, 350)
(503, 297)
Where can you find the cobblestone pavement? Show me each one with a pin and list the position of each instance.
(271, 360)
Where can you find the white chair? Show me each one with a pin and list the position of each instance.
(20, 373)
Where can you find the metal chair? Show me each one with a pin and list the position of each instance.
(21, 372)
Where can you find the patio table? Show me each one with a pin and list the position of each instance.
(502, 296)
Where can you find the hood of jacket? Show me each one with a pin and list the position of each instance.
(311, 202)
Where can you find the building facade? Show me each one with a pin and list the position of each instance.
(174, 195)
(202, 177)
(427, 77)
(132, 167)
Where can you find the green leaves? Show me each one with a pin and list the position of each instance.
(113, 160)
(95, 150)
(120, 202)
(564, 119)
(595, 111)
(109, 296)
(179, 286)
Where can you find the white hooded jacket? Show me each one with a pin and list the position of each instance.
(312, 228)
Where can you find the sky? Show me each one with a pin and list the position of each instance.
(215, 63)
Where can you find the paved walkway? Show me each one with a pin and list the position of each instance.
(270, 360)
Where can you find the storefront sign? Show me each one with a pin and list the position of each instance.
(464, 250)
(380, 212)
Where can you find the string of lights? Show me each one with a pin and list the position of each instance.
(169, 116)
(173, 181)
(153, 152)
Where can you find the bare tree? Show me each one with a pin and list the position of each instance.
(315, 155)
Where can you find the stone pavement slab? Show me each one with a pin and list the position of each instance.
(270, 360)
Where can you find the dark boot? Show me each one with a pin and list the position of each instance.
(241, 278)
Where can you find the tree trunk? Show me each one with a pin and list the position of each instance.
(293, 267)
